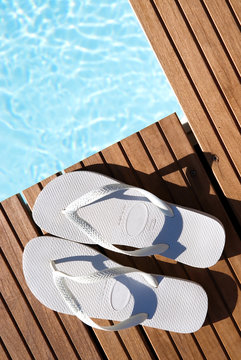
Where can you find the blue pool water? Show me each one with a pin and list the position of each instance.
(75, 77)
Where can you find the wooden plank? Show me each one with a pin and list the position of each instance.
(205, 85)
(4, 354)
(150, 180)
(119, 167)
(20, 312)
(129, 338)
(184, 342)
(74, 167)
(13, 253)
(159, 339)
(201, 186)
(10, 335)
(44, 182)
(142, 164)
(236, 7)
(182, 83)
(163, 166)
(226, 27)
(162, 343)
(209, 202)
(97, 159)
(210, 47)
(52, 326)
(181, 152)
(134, 342)
(110, 342)
(32, 192)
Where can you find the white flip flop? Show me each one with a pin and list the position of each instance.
(92, 208)
(72, 278)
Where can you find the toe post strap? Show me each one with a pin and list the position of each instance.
(71, 213)
(60, 277)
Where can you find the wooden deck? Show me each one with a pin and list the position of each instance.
(198, 45)
(160, 159)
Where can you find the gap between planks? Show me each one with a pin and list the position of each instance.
(109, 341)
(52, 326)
(102, 155)
(141, 156)
(188, 95)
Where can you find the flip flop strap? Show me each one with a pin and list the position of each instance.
(70, 300)
(106, 190)
(71, 213)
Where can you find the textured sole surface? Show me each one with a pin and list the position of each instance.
(175, 305)
(128, 218)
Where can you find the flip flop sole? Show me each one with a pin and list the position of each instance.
(175, 305)
(130, 219)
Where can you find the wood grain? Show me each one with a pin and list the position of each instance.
(20, 311)
(159, 339)
(199, 184)
(226, 27)
(83, 344)
(51, 324)
(236, 7)
(209, 93)
(161, 160)
(16, 347)
(187, 72)
(216, 60)
(143, 166)
(113, 155)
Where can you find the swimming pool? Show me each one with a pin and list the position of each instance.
(75, 77)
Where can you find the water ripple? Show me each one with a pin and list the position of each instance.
(75, 76)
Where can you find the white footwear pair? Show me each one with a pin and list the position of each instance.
(69, 277)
